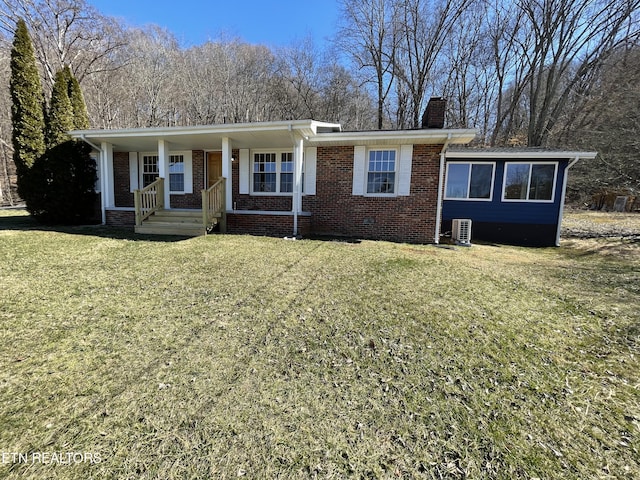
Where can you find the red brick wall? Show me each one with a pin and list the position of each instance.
(269, 225)
(192, 200)
(121, 217)
(121, 184)
(335, 211)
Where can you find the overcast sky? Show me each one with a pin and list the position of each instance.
(193, 22)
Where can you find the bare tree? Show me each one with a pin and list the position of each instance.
(65, 33)
(150, 76)
(248, 72)
(507, 32)
(553, 49)
(369, 35)
(467, 77)
(300, 68)
(201, 87)
(7, 168)
(424, 28)
(610, 124)
(342, 100)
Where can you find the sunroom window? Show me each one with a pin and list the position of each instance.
(469, 181)
(529, 181)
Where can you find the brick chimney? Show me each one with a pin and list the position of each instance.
(433, 116)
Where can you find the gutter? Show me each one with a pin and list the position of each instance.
(103, 170)
(436, 239)
(564, 194)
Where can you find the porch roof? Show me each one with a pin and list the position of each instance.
(264, 135)
(207, 137)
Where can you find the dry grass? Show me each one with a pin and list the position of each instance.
(595, 224)
(232, 356)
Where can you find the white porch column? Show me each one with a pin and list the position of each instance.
(298, 151)
(106, 172)
(226, 171)
(163, 169)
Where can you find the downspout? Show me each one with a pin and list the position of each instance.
(562, 199)
(103, 185)
(436, 240)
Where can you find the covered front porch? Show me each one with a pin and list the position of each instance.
(201, 177)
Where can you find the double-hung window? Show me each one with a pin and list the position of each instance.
(286, 172)
(381, 172)
(529, 181)
(273, 172)
(150, 170)
(176, 173)
(469, 181)
(145, 168)
(265, 177)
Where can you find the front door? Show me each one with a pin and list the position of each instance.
(214, 167)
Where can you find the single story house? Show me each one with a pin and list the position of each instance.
(304, 177)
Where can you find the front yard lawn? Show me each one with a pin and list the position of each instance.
(236, 356)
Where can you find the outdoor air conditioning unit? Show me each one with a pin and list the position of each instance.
(461, 231)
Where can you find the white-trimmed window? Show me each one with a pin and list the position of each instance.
(272, 172)
(150, 169)
(176, 173)
(381, 172)
(284, 176)
(533, 181)
(144, 168)
(469, 181)
(286, 172)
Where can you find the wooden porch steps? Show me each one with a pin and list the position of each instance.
(186, 223)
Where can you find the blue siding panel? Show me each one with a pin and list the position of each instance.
(497, 211)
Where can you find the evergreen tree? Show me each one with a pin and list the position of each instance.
(27, 107)
(60, 117)
(62, 184)
(80, 116)
(59, 186)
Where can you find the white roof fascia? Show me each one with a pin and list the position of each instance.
(306, 127)
(547, 154)
(426, 136)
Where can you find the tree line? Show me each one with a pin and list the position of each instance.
(542, 73)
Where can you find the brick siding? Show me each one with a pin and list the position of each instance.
(192, 200)
(268, 225)
(121, 217)
(121, 183)
(334, 210)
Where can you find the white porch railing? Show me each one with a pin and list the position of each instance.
(149, 200)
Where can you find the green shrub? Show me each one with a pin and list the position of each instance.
(60, 187)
